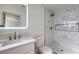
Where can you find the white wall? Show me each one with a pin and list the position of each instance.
(15, 9)
(63, 40)
(36, 21)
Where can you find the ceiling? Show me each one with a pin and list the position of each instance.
(58, 6)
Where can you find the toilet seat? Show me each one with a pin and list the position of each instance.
(45, 50)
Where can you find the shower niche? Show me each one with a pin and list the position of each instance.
(73, 27)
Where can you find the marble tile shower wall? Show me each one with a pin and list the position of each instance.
(67, 42)
(49, 22)
(67, 15)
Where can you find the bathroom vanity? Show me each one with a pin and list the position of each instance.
(22, 46)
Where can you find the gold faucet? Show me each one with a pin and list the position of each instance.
(14, 35)
(10, 38)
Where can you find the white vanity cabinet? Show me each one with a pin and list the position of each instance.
(22, 49)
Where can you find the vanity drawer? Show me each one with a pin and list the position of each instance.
(20, 49)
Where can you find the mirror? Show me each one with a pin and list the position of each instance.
(13, 16)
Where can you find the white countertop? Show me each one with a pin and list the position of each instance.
(22, 41)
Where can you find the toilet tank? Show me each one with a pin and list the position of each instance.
(39, 41)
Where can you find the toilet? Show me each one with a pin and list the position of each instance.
(41, 48)
(45, 50)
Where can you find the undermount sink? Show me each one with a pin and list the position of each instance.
(5, 43)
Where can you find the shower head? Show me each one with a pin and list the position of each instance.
(52, 14)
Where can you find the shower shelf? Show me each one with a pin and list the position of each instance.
(72, 27)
